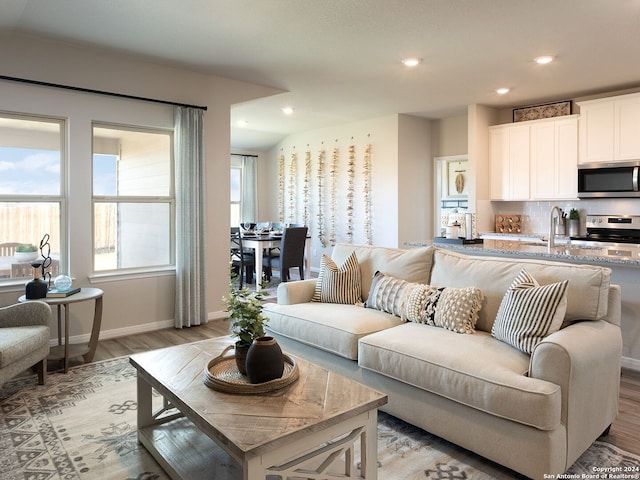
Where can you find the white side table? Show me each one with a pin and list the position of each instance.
(64, 350)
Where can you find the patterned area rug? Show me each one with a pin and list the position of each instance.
(82, 425)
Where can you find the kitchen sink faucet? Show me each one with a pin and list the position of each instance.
(552, 233)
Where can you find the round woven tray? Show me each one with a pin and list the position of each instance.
(222, 374)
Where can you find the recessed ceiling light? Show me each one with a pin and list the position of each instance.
(242, 123)
(502, 91)
(287, 110)
(411, 62)
(544, 59)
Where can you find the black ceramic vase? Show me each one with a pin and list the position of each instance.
(36, 288)
(264, 360)
(241, 357)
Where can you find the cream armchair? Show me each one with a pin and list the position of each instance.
(24, 339)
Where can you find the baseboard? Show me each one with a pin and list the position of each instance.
(133, 330)
(631, 363)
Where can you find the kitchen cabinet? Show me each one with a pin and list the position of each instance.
(509, 162)
(554, 158)
(609, 129)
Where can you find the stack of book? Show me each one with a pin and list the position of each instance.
(55, 293)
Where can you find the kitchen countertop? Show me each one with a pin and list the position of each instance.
(624, 254)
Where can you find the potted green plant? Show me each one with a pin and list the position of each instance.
(574, 222)
(247, 321)
(26, 252)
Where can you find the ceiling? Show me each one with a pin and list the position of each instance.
(338, 61)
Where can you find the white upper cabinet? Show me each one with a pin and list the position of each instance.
(509, 162)
(610, 129)
(554, 158)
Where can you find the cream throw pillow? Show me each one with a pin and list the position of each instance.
(455, 309)
(388, 294)
(529, 312)
(338, 284)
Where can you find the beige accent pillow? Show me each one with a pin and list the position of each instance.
(529, 312)
(338, 284)
(455, 309)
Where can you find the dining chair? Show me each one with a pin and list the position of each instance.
(8, 249)
(243, 262)
(291, 254)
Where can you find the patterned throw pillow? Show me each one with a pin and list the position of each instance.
(529, 312)
(455, 309)
(386, 294)
(338, 284)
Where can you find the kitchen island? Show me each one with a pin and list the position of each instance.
(623, 260)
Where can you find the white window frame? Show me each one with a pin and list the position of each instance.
(169, 199)
(239, 202)
(60, 198)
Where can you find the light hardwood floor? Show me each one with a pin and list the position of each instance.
(625, 431)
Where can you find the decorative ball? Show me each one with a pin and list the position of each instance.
(62, 283)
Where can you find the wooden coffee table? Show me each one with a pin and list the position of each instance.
(309, 426)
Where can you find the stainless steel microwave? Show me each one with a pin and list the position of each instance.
(596, 180)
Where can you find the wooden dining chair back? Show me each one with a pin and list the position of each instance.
(243, 262)
(291, 253)
(8, 249)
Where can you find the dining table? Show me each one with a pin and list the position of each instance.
(259, 242)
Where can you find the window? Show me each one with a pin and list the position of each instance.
(133, 198)
(31, 189)
(236, 195)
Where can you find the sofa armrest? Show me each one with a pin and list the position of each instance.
(25, 314)
(584, 360)
(300, 291)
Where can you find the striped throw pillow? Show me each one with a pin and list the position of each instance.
(529, 312)
(338, 284)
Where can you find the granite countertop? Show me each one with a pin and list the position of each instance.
(624, 255)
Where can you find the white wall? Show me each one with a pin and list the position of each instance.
(395, 205)
(130, 304)
(416, 182)
(449, 136)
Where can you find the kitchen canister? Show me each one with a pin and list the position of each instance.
(468, 226)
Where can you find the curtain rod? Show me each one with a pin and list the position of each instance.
(98, 92)
(242, 155)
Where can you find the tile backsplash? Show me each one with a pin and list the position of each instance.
(535, 215)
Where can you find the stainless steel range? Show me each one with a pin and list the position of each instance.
(612, 229)
(618, 235)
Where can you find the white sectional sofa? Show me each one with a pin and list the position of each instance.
(533, 413)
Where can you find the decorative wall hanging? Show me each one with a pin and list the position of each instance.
(292, 187)
(367, 194)
(305, 187)
(537, 112)
(351, 172)
(456, 181)
(321, 232)
(334, 185)
(281, 188)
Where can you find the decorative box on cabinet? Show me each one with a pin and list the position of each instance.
(610, 129)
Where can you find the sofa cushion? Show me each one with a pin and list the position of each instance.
(587, 293)
(529, 312)
(338, 284)
(476, 370)
(16, 342)
(328, 326)
(412, 265)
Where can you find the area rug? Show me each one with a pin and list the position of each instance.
(82, 425)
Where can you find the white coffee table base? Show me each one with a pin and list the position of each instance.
(184, 452)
